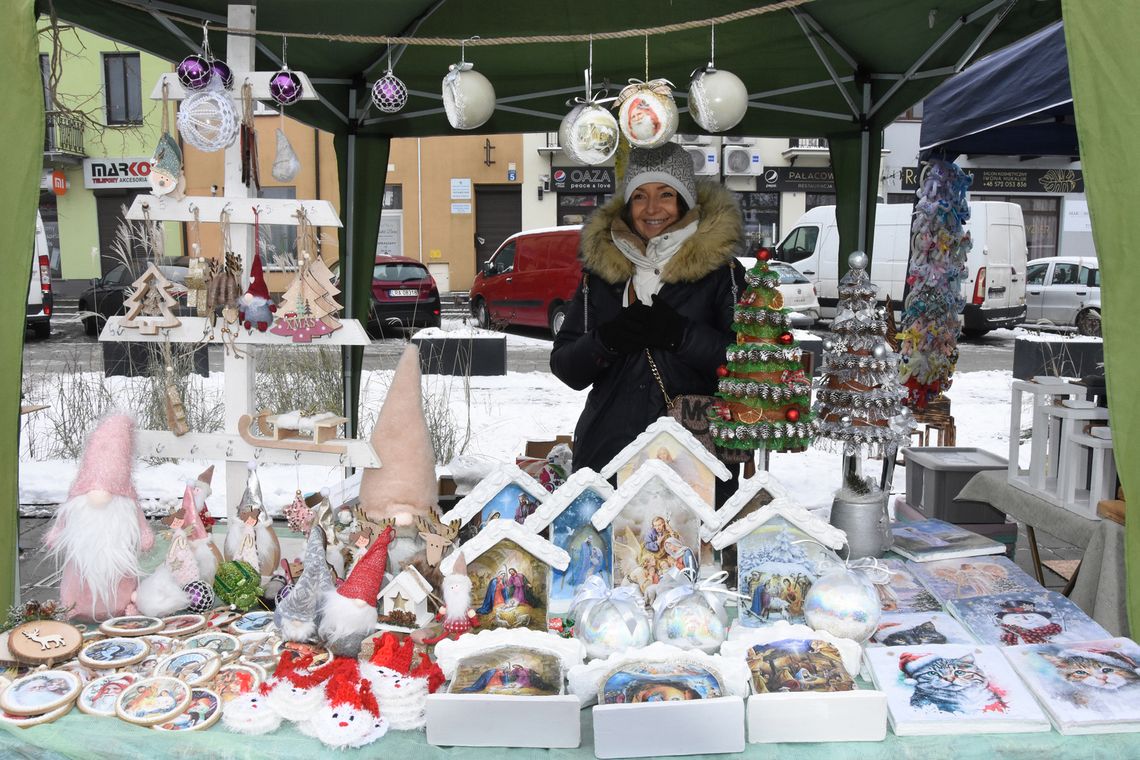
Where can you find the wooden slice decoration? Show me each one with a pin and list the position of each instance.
(258, 621)
(131, 625)
(40, 692)
(234, 680)
(117, 652)
(182, 625)
(225, 644)
(99, 696)
(153, 700)
(203, 711)
(43, 642)
(25, 721)
(194, 666)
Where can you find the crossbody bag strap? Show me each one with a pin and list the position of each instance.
(657, 377)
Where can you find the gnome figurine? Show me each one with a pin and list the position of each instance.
(348, 614)
(162, 592)
(99, 531)
(205, 550)
(255, 307)
(166, 177)
(297, 614)
(252, 539)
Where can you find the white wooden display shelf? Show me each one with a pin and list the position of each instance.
(660, 729)
(1047, 395)
(241, 210)
(259, 80)
(196, 329)
(232, 447)
(1077, 471)
(504, 720)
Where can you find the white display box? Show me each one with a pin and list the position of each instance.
(821, 716)
(658, 729)
(488, 720)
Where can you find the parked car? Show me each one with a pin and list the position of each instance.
(529, 279)
(1064, 290)
(798, 291)
(39, 309)
(104, 299)
(404, 294)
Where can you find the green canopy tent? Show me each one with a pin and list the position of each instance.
(839, 69)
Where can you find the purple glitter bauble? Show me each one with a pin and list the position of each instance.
(194, 72)
(222, 72)
(201, 597)
(285, 87)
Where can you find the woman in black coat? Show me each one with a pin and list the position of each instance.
(659, 278)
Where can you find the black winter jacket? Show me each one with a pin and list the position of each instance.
(697, 281)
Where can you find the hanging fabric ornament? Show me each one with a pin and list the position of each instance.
(589, 133)
(166, 176)
(207, 119)
(468, 96)
(175, 410)
(647, 113)
(389, 94)
(285, 161)
(194, 72)
(718, 100)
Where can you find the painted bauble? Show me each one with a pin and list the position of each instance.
(589, 134)
(194, 72)
(389, 94)
(763, 254)
(285, 87)
(828, 344)
(201, 597)
(606, 626)
(792, 415)
(722, 371)
(207, 119)
(691, 623)
(786, 338)
(718, 100)
(879, 351)
(648, 114)
(857, 260)
(843, 603)
(468, 97)
(220, 70)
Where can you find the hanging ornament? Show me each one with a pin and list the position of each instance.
(389, 94)
(718, 100)
(647, 113)
(207, 119)
(166, 176)
(285, 87)
(792, 415)
(589, 133)
(220, 70)
(844, 603)
(194, 72)
(468, 96)
(285, 161)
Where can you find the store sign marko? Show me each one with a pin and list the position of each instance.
(102, 173)
(583, 179)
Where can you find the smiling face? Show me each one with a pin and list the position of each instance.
(653, 208)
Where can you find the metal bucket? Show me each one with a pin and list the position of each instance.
(865, 521)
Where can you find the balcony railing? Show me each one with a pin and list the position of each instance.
(819, 143)
(63, 135)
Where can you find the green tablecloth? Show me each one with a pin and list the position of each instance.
(90, 738)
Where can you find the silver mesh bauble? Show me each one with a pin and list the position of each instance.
(389, 94)
(207, 119)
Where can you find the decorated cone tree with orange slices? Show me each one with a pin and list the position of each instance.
(765, 398)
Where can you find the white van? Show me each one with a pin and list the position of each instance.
(995, 283)
(38, 318)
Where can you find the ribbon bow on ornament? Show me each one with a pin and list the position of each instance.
(678, 585)
(626, 600)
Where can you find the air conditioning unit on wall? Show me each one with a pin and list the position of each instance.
(740, 161)
(694, 139)
(705, 160)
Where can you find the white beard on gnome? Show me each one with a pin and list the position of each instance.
(205, 551)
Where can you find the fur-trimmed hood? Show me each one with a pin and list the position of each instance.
(719, 237)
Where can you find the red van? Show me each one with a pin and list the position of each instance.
(529, 279)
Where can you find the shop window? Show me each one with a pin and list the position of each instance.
(577, 208)
(122, 87)
(811, 200)
(279, 241)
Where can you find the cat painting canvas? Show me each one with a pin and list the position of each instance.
(903, 592)
(916, 628)
(953, 688)
(974, 576)
(1086, 687)
(1040, 617)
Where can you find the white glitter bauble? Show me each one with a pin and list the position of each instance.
(468, 97)
(718, 100)
(879, 351)
(648, 114)
(605, 628)
(207, 119)
(589, 134)
(845, 604)
(857, 260)
(389, 94)
(691, 623)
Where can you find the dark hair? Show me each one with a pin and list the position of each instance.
(627, 217)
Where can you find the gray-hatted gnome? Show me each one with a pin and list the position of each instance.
(166, 177)
(297, 614)
(255, 307)
(348, 614)
(252, 539)
(99, 531)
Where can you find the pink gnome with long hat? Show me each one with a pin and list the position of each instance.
(99, 531)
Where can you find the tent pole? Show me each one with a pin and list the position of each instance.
(864, 168)
(346, 267)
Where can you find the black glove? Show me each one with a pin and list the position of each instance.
(626, 333)
(666, 328)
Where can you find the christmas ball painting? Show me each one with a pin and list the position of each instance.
(468, 97)
(691, 623)
(647, 114)
(220, 71)
(285, 88)
(845, 604)
(718, 100)
(389, 94)
(606, 627)
(194, 72)
(589, 134)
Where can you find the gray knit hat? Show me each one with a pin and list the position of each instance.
(669, 164)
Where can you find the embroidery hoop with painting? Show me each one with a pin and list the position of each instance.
(118, 626)
(178, 722)
(24, 721)
(183, 625)
(10, 700)
(135, 650)
(86, 700)
(179, 692)
(227, 645)
(205, 662)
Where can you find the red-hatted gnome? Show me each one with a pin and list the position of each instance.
(99, 531)
(255, 307)
(348, 613)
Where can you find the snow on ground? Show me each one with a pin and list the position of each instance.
(496, 414)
